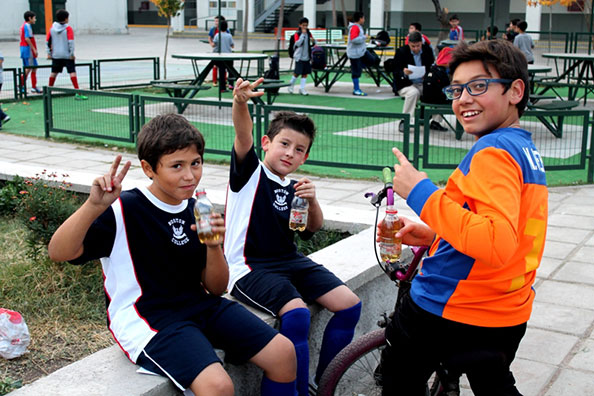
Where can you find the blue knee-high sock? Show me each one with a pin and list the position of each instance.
(295, 326)
(356, 84)
(338, 334)
(272, 388)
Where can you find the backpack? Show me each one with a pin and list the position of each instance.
(273, 72)
(292, 46)
(318, 58)
(382, 38)
(433, 83)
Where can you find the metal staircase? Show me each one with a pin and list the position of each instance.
(267, 13)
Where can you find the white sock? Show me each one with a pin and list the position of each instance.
(293, 78)
(303, 81)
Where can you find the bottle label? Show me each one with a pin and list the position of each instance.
(298, 219)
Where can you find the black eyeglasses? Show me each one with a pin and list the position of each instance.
(474, 87)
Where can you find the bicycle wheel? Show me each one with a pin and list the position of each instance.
(352, 371)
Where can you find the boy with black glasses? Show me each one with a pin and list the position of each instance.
(470, 302)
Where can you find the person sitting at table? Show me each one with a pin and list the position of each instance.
(357, 51)
(303, 43)
(524, 42)
(223, 43)
(414, 54)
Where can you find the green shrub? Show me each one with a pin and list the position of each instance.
(10, 197)
(8, 384)
(320, 240)
(44, 205)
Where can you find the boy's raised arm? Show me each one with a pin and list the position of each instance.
(67, 242)
(242, 120)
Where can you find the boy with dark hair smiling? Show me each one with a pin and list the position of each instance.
(162, 284)
(266, 270)
(469, 304)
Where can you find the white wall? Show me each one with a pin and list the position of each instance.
(86, 16)
(12, 17)
(92, 16)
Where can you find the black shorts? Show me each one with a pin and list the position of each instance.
(302, 68)
(483, 353)
(182, 350)
(270, 286)
(59, 64)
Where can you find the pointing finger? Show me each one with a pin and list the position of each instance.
(399, 156)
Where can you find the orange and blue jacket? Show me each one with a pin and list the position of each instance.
(490, 222)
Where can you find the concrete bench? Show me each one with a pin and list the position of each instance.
(109, 372)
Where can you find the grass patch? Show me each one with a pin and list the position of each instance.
(62, 304)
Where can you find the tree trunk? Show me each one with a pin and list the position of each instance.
(166, 44)
(442, 17)
(244, 45)
(344, 14)
(334, 21)
(281, 18)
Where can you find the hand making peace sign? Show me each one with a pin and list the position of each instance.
(107, 188)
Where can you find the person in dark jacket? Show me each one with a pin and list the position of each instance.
(415, 53)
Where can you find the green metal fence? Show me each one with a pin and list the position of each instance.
(84, 73)
(572, 150)
(10, 89)
(104, 115)
(345, 139)
(125, 72)
(350, 139)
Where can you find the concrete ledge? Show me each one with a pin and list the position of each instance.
(109, 373)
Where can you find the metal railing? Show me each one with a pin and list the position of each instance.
(345, 139)
(572, 150)
(125, 72)
(10, 87)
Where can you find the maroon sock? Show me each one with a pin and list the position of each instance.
(52, 80)
(74, 81)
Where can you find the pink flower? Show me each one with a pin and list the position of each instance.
(32, 218)
(22, 192)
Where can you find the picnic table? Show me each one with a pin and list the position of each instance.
(226, 60)
(533, 70)
(579, 73)
(337, 58)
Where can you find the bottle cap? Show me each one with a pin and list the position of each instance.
(200, 191)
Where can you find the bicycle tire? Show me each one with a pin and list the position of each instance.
(352, 371)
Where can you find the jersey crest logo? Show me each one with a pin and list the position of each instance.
(280, 201)
(179, 236)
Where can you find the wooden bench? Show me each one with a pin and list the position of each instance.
(555, 127)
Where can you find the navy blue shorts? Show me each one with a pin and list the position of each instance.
(272, 285)
(182, 350)
(59, 64)
(302, 68)
(357, 64)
